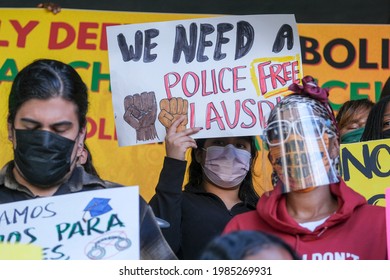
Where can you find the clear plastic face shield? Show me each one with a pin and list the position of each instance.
(300, 142)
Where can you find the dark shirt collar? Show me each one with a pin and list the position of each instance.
(76, 182)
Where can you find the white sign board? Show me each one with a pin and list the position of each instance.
(96, 225)
(223, 74)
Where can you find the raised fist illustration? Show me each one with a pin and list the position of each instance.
(141, 113)
(171, 110)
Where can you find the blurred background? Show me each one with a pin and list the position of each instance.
(317, 11)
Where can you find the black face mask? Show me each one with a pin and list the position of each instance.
(42, 157)
(386, 134)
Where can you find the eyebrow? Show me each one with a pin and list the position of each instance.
(61, 123)
(30, 121)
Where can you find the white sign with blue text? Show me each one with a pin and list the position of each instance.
(92, 225)
(223, 74)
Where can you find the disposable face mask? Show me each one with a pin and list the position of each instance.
(386, 134)
(226, 166)
(42, 157)
(352, 136)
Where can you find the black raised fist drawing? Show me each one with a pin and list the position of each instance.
(171, 110)
(141, 113)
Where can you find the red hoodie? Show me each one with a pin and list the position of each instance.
(356, 231)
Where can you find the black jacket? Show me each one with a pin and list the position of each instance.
(195, 216)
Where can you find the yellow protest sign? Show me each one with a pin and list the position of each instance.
(365, 167)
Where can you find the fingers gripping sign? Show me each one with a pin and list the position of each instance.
(171, 110)
(141, 113)
(177, 142)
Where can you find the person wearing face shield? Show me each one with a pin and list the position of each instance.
(219, 187)
(248, 245)
(311, 207)
(47, 106)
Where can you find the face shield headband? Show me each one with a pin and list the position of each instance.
(299, 136)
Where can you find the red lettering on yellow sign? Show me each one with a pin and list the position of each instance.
(22, 32)
(85, 35)
(98, 128)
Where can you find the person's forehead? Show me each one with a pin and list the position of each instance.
(359, 115)
(271, 252)
(48, 110)
(228, 139)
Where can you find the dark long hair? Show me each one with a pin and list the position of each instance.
(246, 193)
(44, 79)
(386, 89)
(88, 165)
(374, 124)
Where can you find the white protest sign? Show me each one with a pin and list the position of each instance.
(223, 74)
(96, 225)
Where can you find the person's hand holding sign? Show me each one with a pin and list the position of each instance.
(140, 113)
(171, 110)
(178, 142)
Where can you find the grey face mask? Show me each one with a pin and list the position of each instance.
(43, 157)
(226, 166)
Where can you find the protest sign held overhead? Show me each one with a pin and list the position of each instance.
(223, 74)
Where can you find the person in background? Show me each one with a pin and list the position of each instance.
(50, 6)
(311, 208)
(248, 245)
(48, 104)
(219, 187)
(351, 119)
(378, 121)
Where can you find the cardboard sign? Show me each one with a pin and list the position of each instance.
(92, 225)
(365, 167)
(223, 74)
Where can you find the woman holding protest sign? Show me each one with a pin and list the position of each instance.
(378, 121)
(311, 207)
(48, 104)
(219, 187)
